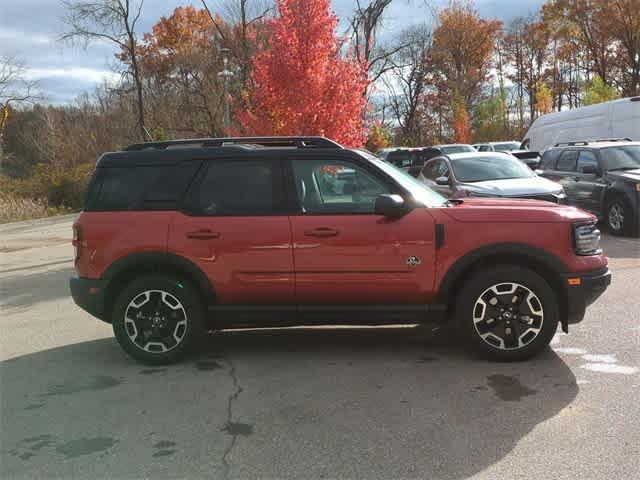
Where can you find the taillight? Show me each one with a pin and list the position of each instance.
(77, 242)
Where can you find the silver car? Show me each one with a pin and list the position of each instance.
(488, 174)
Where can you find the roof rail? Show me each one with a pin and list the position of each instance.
(622, 139)
(571, 144)
(298, 142)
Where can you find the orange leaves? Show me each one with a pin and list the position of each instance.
(461, 125)
(301, 85)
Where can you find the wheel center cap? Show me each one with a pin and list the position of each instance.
(507, 315)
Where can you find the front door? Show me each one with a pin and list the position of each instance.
(346, 254)
(237, 232)
(589, 187)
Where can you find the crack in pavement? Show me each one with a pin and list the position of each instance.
(233, 428)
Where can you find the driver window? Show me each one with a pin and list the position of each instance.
(335, 187)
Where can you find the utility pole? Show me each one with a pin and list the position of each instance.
(226, 74)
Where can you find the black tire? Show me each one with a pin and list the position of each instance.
(629, 223)
(186, 329)
(473, 325)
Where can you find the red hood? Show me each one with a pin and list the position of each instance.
(515, 210)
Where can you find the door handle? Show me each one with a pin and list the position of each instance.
(203, 234)
(321, 232)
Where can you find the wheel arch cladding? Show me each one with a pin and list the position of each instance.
(125, 269)
(546, 265)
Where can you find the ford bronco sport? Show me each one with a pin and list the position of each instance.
(181, 237)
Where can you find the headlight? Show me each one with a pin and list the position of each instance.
(586, 239)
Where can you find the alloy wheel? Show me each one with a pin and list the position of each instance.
(616, 217)
(155, 321)
(508, 316)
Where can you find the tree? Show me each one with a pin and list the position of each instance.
(15, 89)
(597, 92)
(364, 26)
(461, 126)
(463, 46)
(113, 21)
(544, 98)
(406, 86)
(379, 138)
(301, 85)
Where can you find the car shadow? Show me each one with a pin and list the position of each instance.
(357, 403)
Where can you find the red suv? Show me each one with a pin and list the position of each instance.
(181, 237)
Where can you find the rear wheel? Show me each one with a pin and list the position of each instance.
(508, 313)
(157, 319)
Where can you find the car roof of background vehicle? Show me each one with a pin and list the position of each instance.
(453, 145)
(465, 155)
(597, 144)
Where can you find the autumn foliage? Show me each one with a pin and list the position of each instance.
(301, 84)
(461, 126)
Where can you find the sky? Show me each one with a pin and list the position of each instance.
(30, 29)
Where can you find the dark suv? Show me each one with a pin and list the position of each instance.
(602, 177)
(181, 237)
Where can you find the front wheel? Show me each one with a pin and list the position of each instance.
(158, 319)
(619, 217)
(508, 313)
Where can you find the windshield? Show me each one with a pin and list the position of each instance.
(418, 190)
(457, 149)
(506, 147)
(479, 169)
(621, 158)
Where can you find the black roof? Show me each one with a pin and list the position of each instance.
(175, 151)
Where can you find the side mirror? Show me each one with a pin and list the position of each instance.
(392, 206)
(442, 181)
(591, 169)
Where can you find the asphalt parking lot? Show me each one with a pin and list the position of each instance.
(314, 403)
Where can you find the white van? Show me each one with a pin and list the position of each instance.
(614, 119)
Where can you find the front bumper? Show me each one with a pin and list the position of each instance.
(88, 295)
(582, 290)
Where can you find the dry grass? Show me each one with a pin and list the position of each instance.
(13, 209)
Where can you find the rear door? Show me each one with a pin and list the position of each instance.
(236, 230)
(346, 254)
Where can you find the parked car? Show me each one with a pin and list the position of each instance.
(385, 151)
(410, 160)
(602, 177)
(530, 158)
(487, 174)
(250, 232)
(497, 146)
(618, 118)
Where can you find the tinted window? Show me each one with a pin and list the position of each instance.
(140, 188)
(336, 186)
(401, 159)
(478, 169)
(484, 148)
(567, 161)
(587, 158)
(506, 147)
(549, 158)
(621, 158)
(237, 187)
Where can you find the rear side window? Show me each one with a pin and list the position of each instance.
(401, 159)
(237, 188)
(158, 187)
(567, 161)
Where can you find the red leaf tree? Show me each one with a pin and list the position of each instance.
(301, 84)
